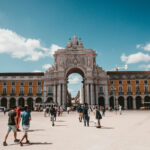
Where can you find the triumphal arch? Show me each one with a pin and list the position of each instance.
(76, 59)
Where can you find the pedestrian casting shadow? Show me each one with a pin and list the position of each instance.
(106, 127)
(36, 130)
(60, 125)
(60, 121)
(32, 143)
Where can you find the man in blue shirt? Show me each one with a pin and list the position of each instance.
(26, 117)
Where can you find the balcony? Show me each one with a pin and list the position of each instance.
(101, 93)
(4, 94)
(49, 94)
(39, 94)
(146, 92)
(21, 94)
(30, 94)
(12, 94)
(138, 92)
(121, 93)
(111, 93)
(129, 93)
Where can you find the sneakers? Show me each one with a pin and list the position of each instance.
(16, 140)
(5, 144)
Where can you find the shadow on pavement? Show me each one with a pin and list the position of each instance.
(106, 127)
(36, 130)
(60, 125)
(60, 121)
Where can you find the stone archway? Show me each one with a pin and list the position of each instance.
(12, 102)
(146, 101)
(4, 102)
(111, 102)
(121, 101)
(138, 102)
(21, 102)
(129, 102)
(30, 103)
(75, 59)
(38, 100)
(49, 100)
(101, 101)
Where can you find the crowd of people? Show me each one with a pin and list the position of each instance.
(16, 115)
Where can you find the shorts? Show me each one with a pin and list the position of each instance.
(12, 127)
(25, 129)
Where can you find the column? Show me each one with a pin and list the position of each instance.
(8, 103)
(92, 95)
(87, 94)
(54, 93)
(25, 101)
(17, 102)
(106, 96)
(59, 94)
(125, 103)
(97, 94)
(134, 103)
(64, 99)
(0, 102)
(116, 101)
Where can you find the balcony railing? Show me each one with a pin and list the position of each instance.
(111, 93)
(12, 94)
(146, 92)
(4, 94)
(138, 92)
(129, 93)
(21, 94)
(30, 94)
(121, 93)
(39, 94)
(50, 94)
(101, 93)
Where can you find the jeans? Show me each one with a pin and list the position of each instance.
(86, 120)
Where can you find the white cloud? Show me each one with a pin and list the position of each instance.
(23, 48)
(74, 80)
(37, 71)
(46, 66)
(135, 58)
(138, 46)
(147, 47)
(146, 67)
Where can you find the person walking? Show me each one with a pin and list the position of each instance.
(68, 109)
(12, 125)
(53, 113)
(80, 111)
(4, 110)
(86, 115)
(26, 118)
(120, 109)
(18, 117)
(98, 117)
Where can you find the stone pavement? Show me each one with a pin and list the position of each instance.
(130, 131)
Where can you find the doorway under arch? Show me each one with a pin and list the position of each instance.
(129, 102)
(21, 102)
(12, 102)
(30, 103)
(138, 102)
(121, 101)
(4, 102)
(101, 101)
(38, 100)
(147, 101)
(111, 102)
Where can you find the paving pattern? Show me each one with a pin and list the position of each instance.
(130, 131)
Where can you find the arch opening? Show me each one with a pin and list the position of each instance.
(129, 102)
(121, 101)
(138, 102)
(4, 102)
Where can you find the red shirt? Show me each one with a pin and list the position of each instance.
(18, 112)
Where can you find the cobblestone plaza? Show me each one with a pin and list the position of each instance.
(129, 131)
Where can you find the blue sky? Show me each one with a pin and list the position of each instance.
(31, 30)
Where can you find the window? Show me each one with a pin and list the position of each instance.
(145, 82)
(4, 83)
(129, 88)
(22, 84)
(39, 90)
(21, 90)
(50, 90)
(146, 89)
(12, 90)
(30, 83)
(137, 81)
(120, 82)
(120, 88)
(4, 90)
(13, 83)
(101, 89)
(128, 82)
(111, 82)
(39, 83)
(30, 90)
